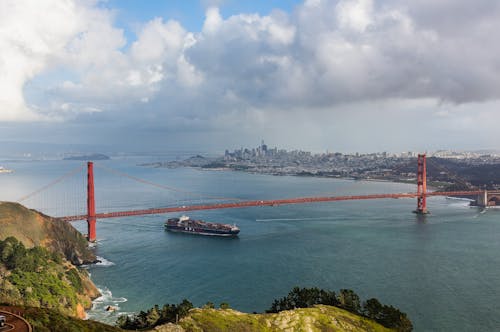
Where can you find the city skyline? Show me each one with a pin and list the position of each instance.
(349, 75)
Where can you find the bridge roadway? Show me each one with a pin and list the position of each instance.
(273, 202)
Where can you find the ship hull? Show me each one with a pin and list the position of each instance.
(200, 232)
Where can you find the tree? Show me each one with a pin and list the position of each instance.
(393, 318)
(349, 301)
(328, 298)
(183, 308)
(372, 309)
(167, 314)
(153, 316)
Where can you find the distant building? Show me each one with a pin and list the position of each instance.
(263, 148)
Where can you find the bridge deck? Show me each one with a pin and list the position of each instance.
(274, 202)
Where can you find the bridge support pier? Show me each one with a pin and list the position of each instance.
(91, 218)
(482, 199)
(421, 185)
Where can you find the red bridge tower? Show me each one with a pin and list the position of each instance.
(421, 185)
(91, 219)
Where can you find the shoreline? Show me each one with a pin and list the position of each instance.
(229, 169)
(98, 310)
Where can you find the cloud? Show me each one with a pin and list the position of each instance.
(29, 42)
(213, 20)
(322, 56)
(356, 15)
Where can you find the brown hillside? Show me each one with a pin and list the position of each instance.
(54, 284)
(33, 228)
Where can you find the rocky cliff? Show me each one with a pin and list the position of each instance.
(33, 228)
(39, 256)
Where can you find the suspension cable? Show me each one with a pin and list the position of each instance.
(163, 186)
(59, 179)
(452, 174)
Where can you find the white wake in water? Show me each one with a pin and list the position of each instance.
(293, 219)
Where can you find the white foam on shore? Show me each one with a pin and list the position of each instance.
(103, 262)
(99, 305)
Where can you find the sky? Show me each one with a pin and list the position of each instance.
(316, 75)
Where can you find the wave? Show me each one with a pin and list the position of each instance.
(107, 297)
(103, 262)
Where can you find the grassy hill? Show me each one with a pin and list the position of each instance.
(33, 228)
(318, 318)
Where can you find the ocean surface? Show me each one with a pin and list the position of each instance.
(443, 270)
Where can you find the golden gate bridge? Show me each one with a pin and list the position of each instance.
(484, 198)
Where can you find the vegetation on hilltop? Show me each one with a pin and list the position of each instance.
(39, 278)
(314, 319)
(319, 308)
(317, 318)
(348, 300)
(169, 313)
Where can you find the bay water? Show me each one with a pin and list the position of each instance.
(443, 269)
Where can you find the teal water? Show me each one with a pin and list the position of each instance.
(443, 270)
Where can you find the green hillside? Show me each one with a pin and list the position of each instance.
(318, 318)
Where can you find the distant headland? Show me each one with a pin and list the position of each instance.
(94, 156)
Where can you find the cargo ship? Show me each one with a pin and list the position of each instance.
(185, 224)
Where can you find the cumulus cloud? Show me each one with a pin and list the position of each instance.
(28, 43)
(324, 54)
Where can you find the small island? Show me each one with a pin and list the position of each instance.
(93, 156)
